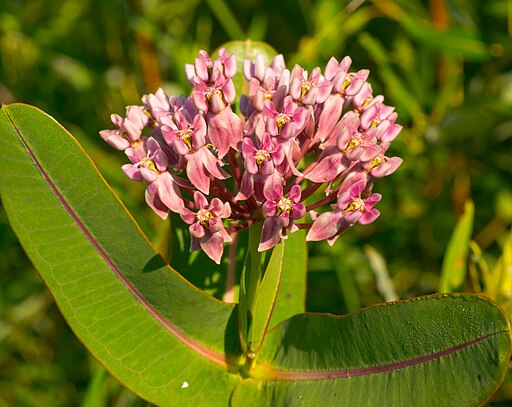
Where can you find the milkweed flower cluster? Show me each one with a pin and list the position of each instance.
(320, 137)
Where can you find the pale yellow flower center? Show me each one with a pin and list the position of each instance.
(305, 88)
(284, 205)
(186, 137)
(355, 205)
(261, 156)
(376, 162)
(281, 120)
(149, 164)
(203, 216)
(212, 149)
(354, 142)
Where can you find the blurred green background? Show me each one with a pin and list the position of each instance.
(445, 64)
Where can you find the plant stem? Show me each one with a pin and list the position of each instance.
(229, 295)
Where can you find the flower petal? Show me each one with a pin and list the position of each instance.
(225, 130)
(213, 246)
(154, 201)
(271, 232)
(197, 174)
(200, 201)
(325, 226)
(169, 193)
(369, 216)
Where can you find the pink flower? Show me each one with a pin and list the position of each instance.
(225, 130)
(375, 112)
(265, 158)
(287, 123)
(162, 192)
(157, 104)
(206, 228)
(265, 83)
(351, 145)
(213, 87)
(379, 165)
(354, 143)
(298, 134)
(204, 66)
(189, 141)
(328, 117)
(309, 91)
(260, 164)
(362, 98)
(285, 126)
(215, 95)
(331, 163)
(281, 212)
(260, 71)
(129, 129)
(344, 84)
(350, 208)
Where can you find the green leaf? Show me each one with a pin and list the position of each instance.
(501, 271)
(266, 298)
(97, 392)
(160, 336)
(175, 345)
(291, 298)
(397, 89)
(226, 18)
(382, 278)
(248, 49)
(249, 282)
(259, 286)
(442, 349)
(456, 41)
(454, 267)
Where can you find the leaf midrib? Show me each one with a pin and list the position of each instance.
(209, 354)
(269, 373)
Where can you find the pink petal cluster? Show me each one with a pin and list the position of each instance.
(298, 134)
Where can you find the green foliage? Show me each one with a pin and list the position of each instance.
(404, 342)
(114, 289)
(81, 60)
(453, 272)
(173, 344)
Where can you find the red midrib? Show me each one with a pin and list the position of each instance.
(213, 356)
(279, 374)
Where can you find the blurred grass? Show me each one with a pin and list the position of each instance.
(445, 64)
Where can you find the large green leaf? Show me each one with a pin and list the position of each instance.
(155, 332)
(438, 350)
